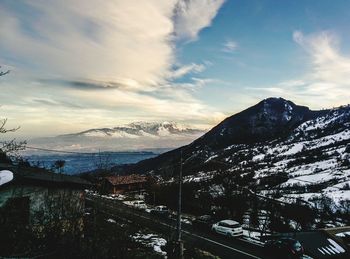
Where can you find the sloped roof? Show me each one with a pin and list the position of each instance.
(40, 175)
(126, 179)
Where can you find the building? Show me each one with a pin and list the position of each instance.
(124, 183)
(36, 204)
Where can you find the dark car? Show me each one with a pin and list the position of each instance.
(284, 248)
(161, 211)
(203, 222)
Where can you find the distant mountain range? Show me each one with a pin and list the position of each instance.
(138, 136)
(139, 130)
(281, 146)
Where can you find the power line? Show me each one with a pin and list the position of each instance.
(61, 151)
(71, 152)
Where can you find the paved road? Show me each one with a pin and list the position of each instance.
(220, 246)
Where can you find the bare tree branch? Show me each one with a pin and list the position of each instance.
(2, 73)
(3, 128)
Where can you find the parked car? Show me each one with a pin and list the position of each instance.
(160, 210)
(284, 248)
(203, 222)
(228, 228)
(141, 205)
(186, 220)
(137, 204)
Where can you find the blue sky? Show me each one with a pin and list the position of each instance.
(88, 64)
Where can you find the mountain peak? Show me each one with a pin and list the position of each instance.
(269, 119)
(276, 99)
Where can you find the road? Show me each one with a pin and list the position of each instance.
(215, 244)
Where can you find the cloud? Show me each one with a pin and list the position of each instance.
(328, 77)
(102, 41)
(111, 57)
(186, 69)
(271, 91)
(127, 85)
(230, 46)
(87, 39)
(326, 81)
(191, 16)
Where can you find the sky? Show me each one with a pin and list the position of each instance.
(77, 65)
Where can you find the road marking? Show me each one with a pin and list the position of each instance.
(217, 243)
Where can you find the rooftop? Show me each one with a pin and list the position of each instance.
(40, 176)
(229, 222)
(126, 179)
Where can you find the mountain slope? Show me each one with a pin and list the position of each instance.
(279, 145)
(269, 119)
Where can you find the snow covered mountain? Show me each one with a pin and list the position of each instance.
(140, 129)
(138, 136)
(281, 149)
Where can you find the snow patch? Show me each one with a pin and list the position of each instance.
(151, 240)
(111, 221)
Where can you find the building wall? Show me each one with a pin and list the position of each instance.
(119, 189)
(49, 207)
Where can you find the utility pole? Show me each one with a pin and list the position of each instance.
(179, 241)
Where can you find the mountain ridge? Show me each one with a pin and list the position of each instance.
(138, 129)
(307, 156)
(137, 136)
(233, 127)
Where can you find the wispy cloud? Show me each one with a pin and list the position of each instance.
(230, 46)
(191, 16)
(186, 69)
(326, 82)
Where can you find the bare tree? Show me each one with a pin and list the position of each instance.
(103, 162)
(12, 147)
(2, 73)
(59, 165)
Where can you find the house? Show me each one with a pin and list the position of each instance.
(38, 205)
(124, 183)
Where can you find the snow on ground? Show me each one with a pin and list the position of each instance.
(342, 185)
(339, 195)
(210, 158)
(151, 240)
(310, 168)
(336, 196)
(343, 234)
(258, 157)
(295, 148)
(111, 221)
(216, 190)
(251, 234)
(310, 179)
(5, 176)
(199, 177)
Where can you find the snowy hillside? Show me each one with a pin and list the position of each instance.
(306, 159)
